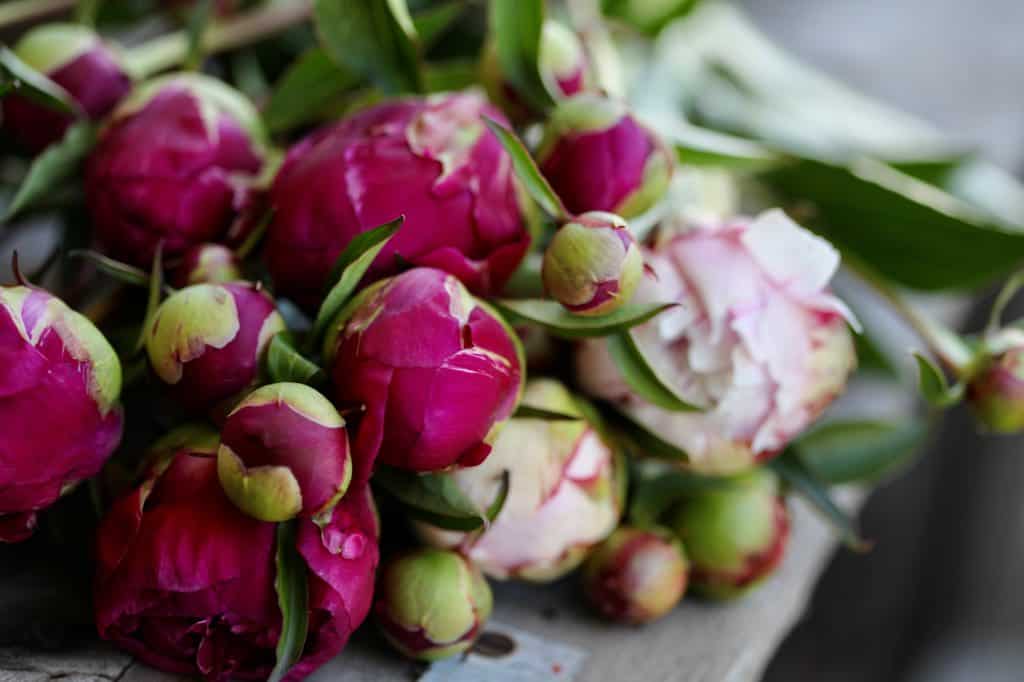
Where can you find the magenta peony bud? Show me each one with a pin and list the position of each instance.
(59, 415)
(75, 58)
(206, 264)
(636, 575)
(757, 339)
(284, 452)
(206, 342)
(431, 159)
(436, 369)
(593, 264)
(563, 495)
(996, 388)
(735, 536)
(598, 157)
(175, 164)
(185, 581)
(431, 603)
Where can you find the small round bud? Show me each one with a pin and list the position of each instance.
(598, 157)
(593, 264)
(207, 264)
(207, 341)
(996, 390)
(735, 535)
(562, 61)
(284, 452)
(432, 603)
(636, 575)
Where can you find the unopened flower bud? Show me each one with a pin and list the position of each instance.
(636, 575)
(432, 603)
(593, 264)
(562, 61)
(75, 58)
(284, 452)
(735, 535)
(598, 157)
(207, 264)
(996, 390)
(207, 341)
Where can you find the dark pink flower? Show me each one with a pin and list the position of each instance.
(598, 157)
(176, 164)
(185, 581)
(437, 371)
(431, 159)
(73, 57)
(59, 386)
(206, 342)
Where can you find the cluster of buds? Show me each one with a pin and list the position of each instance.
(564, 493)
(59, 386)
(757, 340)
(75, 58)
(430, 159)
(431, 603)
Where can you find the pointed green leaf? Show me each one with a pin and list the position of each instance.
(349, 269)
(859, 451)
(527, 412)
(26, 81)
(292, 587)
(815, 492)
(935, 388)
(122, 272)
(528, 173)
(286, 363)
(560, 322)
(432, 23)
(372, 38)
(310, 85)
(436, 499)
(642, 377)
(515, 27)
(56, 164)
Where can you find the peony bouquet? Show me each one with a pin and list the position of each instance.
(555, 286)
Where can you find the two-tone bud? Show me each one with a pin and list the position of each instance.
(284, 453)
(73, 57)
(432, 603)
(636, 575)
(735, 534)
(995, 390)
(593, 264)
(599, 157)
(206, 264)
(207, 341)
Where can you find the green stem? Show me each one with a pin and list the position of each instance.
(943, 342)
(171, 50)
(22, 11)
(86, 11)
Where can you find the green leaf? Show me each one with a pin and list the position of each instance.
(859, 451)
(349, 269)
(436, 499)
(560, 322)
(515, 27)
(644, 442)
(57, 163)
(528, 173)
(527, 412)
(655, 496)
(156, 285)
(798, 477)
(199, 15)
(292, 587)
(20, 78)
(880, 214)
(642, 377)
(640, 15)
(450, 75)
(305, 91)
(122, 272)
(698, 146)
(372, 38)
(286, 363)
(935, 388)
(432, 23)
